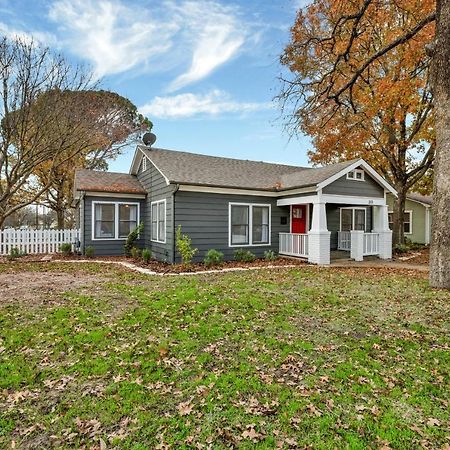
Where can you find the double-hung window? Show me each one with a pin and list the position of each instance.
(407, 224)
(114, 220)
(158, 219)
(353, 219)
(249, 224)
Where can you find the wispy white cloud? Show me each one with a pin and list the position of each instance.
(186, 105)
(216, 34)
(113, 36)
(27, 36)
(195, 37)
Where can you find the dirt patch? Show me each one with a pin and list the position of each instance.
(414, 257)
(41, 287)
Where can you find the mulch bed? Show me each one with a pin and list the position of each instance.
(414, 257)
(156, 266)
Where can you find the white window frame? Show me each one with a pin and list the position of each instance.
(353, 173)
(144, 163)
(410, 212)
(157, 203)
(116, 219)
(353, 217)
(250, 224)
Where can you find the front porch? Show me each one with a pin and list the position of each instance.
(321, 224)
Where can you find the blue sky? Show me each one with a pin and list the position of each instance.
(204, 71)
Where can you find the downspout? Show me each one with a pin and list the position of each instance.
(82, 222)
(177, 186)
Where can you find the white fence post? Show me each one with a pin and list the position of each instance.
(357, 245)
(35, 241)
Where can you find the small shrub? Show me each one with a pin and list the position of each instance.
(184, 247)
(16, 253)
(135, 253)
(66, 248)
(270, 255)
(132, 237)
(401, 248)
(146, 255)
(242, 255)
(213, 258)
(89, 252)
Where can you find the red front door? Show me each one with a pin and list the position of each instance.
(299, 219)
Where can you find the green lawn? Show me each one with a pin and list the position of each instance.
(266, 359)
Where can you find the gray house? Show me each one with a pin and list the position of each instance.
(226, 204)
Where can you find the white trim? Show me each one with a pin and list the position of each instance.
(410, 212)
(157, 203)
(354, 173)
(113, 195)
(427, 225)
(367, 168)
(144, 163)
(133, 170)
(250, 224)
(237, 191)
(353, 218)
(333, 198)
(116, 219)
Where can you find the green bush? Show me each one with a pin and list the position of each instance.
(270, 255)
(16, 253)
(146, 255)
(213, 258)
(89, 252)
(66, 248)
(135, 253)
(131, 239)
(242, 255)
(401, 248)
(184, 247)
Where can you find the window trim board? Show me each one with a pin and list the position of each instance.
(116, 219)
(157, 203)
(353, 208)
(250, 224)
(354, 172)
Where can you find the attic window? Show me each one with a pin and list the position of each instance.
(357, 174)
(144, 164)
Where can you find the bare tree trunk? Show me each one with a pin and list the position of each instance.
(398, 235)
(60, 215)
(440, 236)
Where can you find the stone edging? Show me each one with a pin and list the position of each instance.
(152, 272)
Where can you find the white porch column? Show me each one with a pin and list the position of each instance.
(381, 226)
(357, 245)
(319, 236)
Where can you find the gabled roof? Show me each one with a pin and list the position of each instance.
(425, 199)
(98, 181)
(204, 170)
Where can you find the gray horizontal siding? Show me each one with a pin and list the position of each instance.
(367, 188)
(157, 188)
(111, 247)
(204, 218)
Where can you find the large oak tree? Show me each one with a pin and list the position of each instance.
(344, 76)
(386, 114)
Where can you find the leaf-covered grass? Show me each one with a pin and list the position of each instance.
(262, 359)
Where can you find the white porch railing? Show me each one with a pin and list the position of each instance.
(35, 241)
(371, 244)
(344, 240)
(294, 244)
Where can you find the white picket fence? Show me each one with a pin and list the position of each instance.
(35, 241)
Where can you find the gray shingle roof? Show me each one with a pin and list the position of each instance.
(204, 170)
(98, 181)
(427, 199)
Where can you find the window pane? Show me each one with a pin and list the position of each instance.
(260, 224)
(347, 219)
(239, 224)
(391, 220)
(154, 222)
(360, 220)
(104, 221)
(407, 224)
(239, 234)
(128, 212)
(162, 222)
(126, 227)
